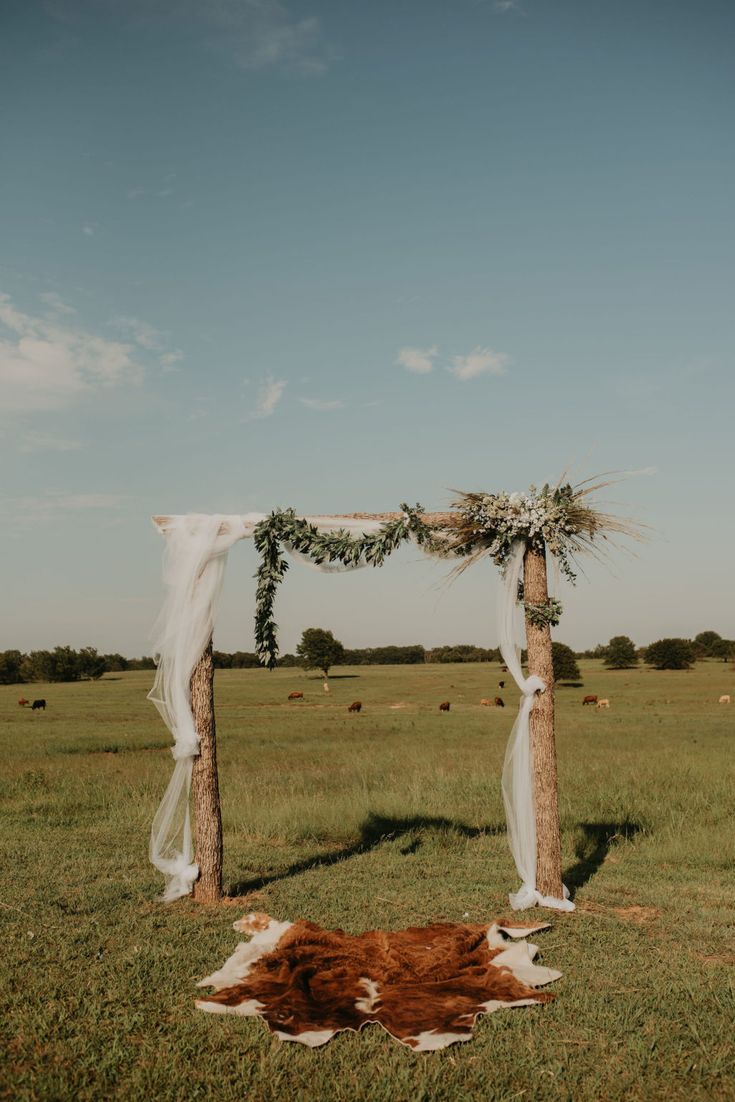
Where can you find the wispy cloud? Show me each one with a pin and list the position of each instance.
(480, 361)
(169, 360)
(88, 229)
(27, 512)
(263, 33)
(270, 393)
(48, 360)
(324, 405)
(40, 442)
(150, 338)
(419, 361)
(502, 7)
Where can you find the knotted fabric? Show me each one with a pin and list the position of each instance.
(517, 782)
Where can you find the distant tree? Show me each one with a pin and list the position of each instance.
(724, 649)
(288, 661)
(706, 643)
(90, 664)
(39, 665)
(11, 662)
(115, 663)
(565, 664)
(620, 653)
(144, 663)
(320, 650)
(670, 654)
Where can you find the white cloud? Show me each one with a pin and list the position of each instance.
(48, 361)
(324, 405)
(88, 229)
(270, 393)
(417, 360)
(503, 6)
(480, 361)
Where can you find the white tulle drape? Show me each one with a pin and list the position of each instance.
(517, 770)
(193, 571)
(194, 564)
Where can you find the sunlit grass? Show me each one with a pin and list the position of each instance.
(386, 818)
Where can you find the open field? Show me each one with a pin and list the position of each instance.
(388, 818)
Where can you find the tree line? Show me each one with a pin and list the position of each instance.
(319, 649)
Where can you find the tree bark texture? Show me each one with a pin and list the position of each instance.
(205, 784)
(543, 746)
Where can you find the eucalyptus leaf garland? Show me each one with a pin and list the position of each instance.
(560, 519)
(283, 528)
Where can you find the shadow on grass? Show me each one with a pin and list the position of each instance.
(592, 848)
(336, 677)
(373, 832)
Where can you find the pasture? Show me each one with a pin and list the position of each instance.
(387, 818)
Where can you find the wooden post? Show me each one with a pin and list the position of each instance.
(543, 746)
(205, 784)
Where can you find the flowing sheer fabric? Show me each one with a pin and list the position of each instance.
(194, 564)
(193, 571)
(517, 769)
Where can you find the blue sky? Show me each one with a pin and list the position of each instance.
(340, 255)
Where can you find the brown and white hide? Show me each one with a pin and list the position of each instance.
(426, 986)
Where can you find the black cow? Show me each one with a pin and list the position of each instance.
(38, 704)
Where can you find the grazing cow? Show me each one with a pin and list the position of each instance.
(487, 702)
(499, 702)
(295, 696)
(355, 706)
(444, 706)
(590, 700)
(501, 684)
(603, 704)
(38, 704)
(504, 669)
(23, 702)
(326, 686)
(724, 700)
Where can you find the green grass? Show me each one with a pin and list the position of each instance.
(387, 818)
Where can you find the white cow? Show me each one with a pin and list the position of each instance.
(603, 703)
(724, 699)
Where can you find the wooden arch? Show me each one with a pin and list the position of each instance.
(205, 780)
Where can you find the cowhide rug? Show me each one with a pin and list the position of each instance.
(426, 985)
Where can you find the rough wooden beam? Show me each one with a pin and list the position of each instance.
(543, 745)
(205, 784)
(435, 520)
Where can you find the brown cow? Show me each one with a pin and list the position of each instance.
(499, 702)
(501, 684)
(355, 706)
(590, 700)
(295, 696)
(487, 702)
(444, 706)
(23, 702)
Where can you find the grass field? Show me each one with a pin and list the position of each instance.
(388, 818)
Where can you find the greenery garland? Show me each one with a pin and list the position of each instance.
(548, 613)
(559, 518)
(283, 527)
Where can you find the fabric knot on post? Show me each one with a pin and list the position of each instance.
(533, 685)
(517, 769)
